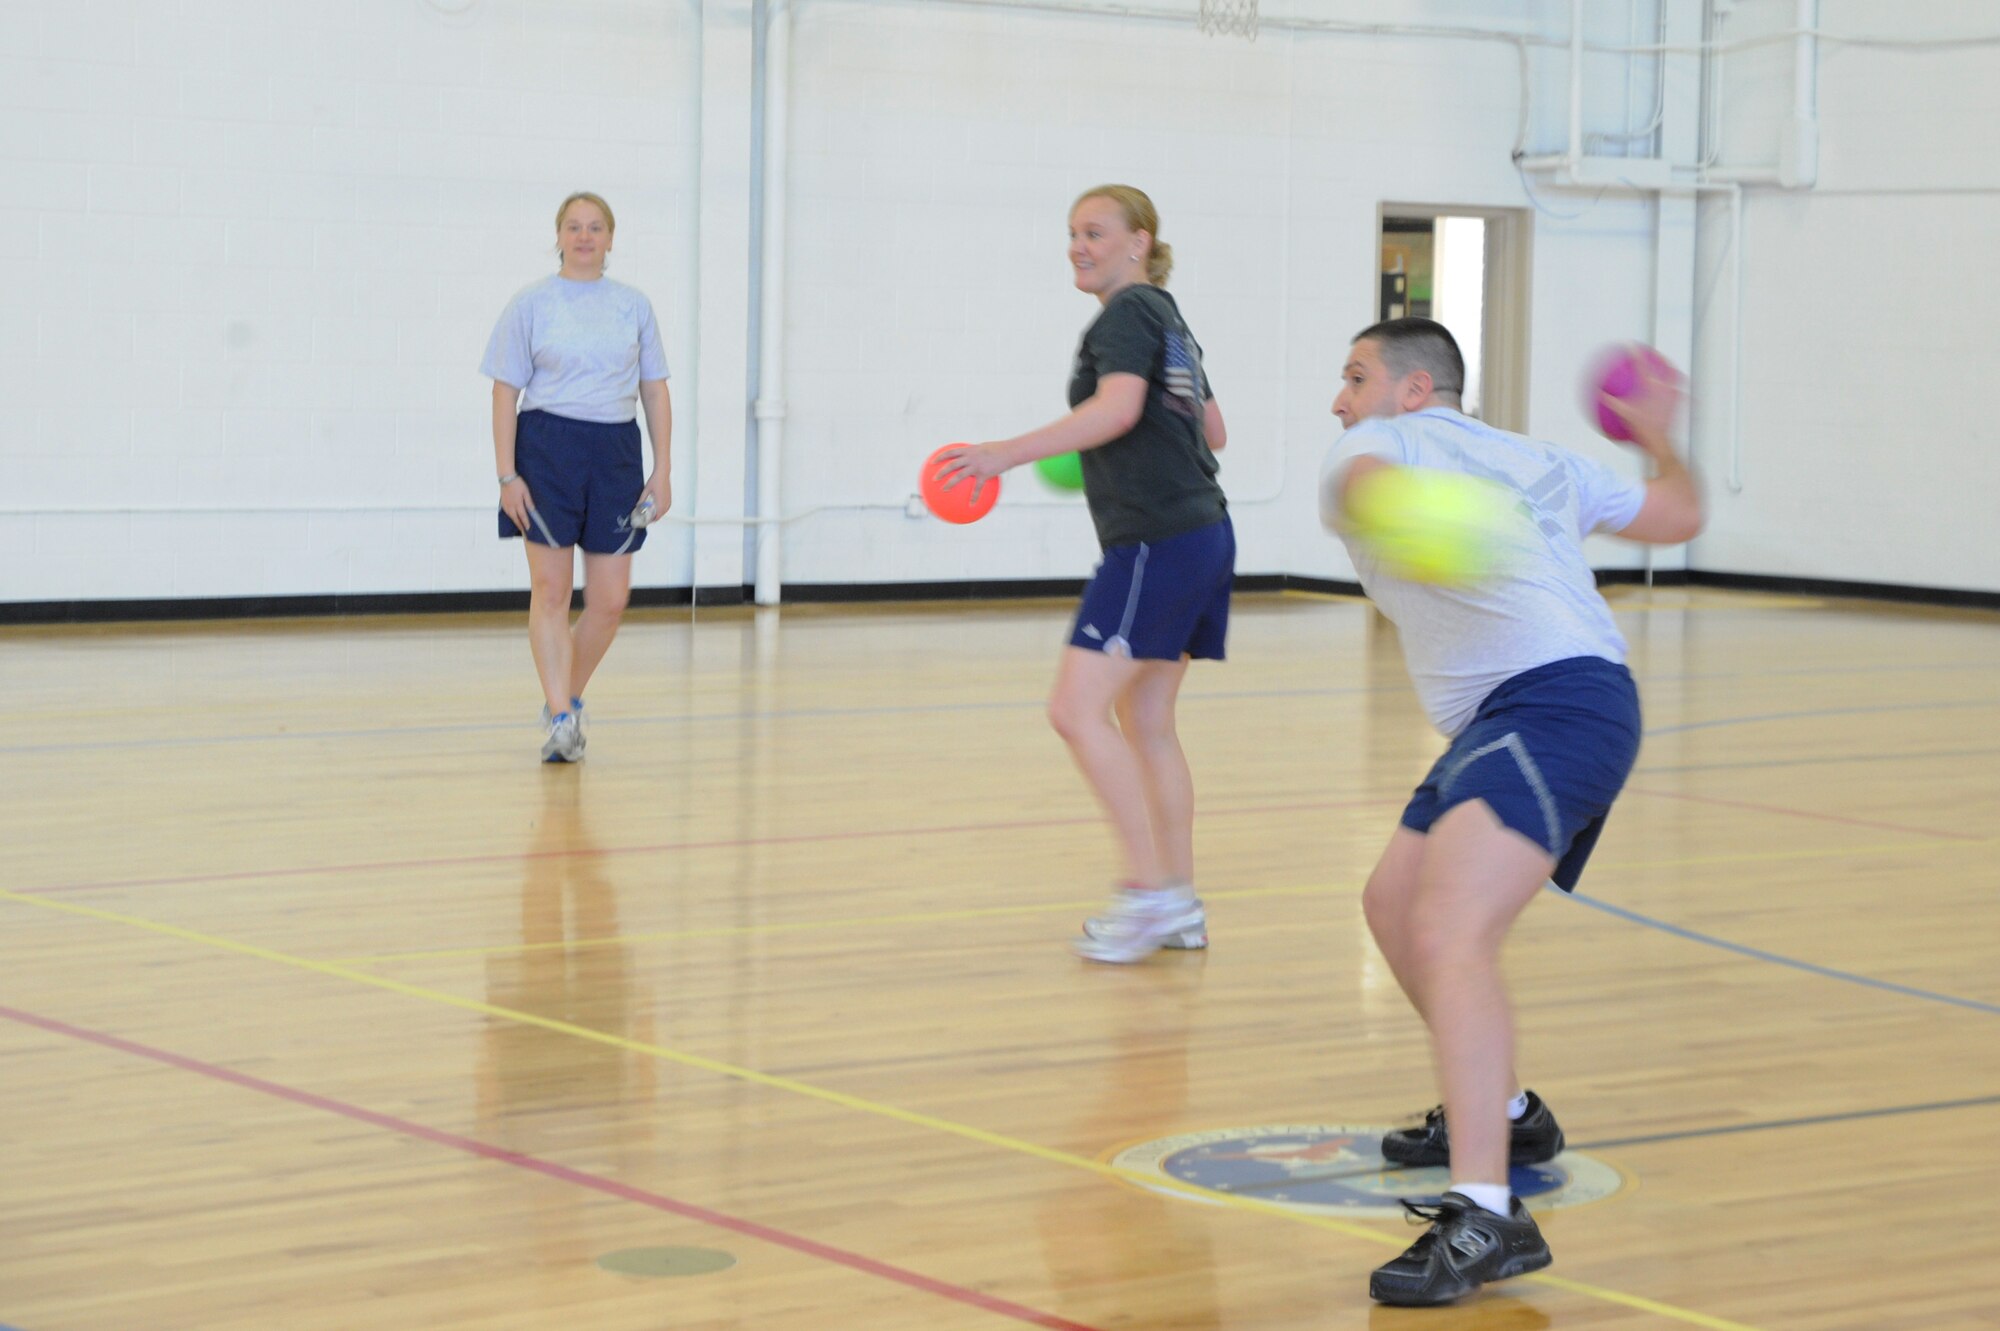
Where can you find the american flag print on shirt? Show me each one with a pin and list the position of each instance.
(1180, 373)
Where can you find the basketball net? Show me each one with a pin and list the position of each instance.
(1229, 18)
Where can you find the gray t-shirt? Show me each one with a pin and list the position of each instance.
(1462, 643)
(577, 349)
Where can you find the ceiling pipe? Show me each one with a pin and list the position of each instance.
(1798, 154)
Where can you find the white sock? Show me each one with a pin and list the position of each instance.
(1517, 1107)
(1495, 1197)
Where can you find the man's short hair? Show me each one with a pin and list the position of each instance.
(1413, 344)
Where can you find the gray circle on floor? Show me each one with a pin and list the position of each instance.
(657, 1262)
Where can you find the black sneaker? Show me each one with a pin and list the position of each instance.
(1465, 1247)
(1536, 1137)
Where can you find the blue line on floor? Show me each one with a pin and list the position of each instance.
(1772, 1125)
(1760, 954)
(1913, 756)
(1830, 711)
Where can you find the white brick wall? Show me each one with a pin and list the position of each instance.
(936, 155)
(1869, 448)
(255, 248)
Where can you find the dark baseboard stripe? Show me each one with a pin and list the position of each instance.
(1863, 591)
(1295, 582)
(702, 596)
(258, 607)
(1762, 582)
(1026, 588)
(308, 607)
(1636, 577)
(431, 603)
(822, 593)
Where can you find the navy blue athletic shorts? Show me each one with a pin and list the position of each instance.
(1161, 600)
(584, 479)
(1548, 751)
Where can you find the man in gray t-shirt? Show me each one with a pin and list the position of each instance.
(1461, 643)
(1525, 672)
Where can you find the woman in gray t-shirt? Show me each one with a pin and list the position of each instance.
(571, 359)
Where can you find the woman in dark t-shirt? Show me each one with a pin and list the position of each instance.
(1147, 429)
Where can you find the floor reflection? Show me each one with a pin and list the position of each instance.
(549, 1093)
(1118, 1254)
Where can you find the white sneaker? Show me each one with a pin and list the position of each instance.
(575, 709)
(1139, 922)
(1190, 939)
(582, 738)
(564, 743)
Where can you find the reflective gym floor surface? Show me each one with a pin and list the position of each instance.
(324, 1005)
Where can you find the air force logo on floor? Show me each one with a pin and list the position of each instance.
(1329, 1169)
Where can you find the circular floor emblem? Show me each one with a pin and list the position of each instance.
(1337, 1170)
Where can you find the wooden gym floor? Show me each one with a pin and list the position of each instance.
(324, 1005)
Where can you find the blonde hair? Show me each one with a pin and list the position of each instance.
(584, 196)
(1140, 215)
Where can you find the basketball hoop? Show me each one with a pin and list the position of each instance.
(1229, 18)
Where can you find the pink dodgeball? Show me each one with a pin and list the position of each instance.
(1617, 374)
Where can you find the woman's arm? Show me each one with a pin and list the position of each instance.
(1110, 413)
(1212, 428)
(659, 406)
(514, 497)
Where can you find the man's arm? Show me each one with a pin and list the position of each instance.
(1673, 511)
(1338, 483)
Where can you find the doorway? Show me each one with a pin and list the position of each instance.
(1466, 268)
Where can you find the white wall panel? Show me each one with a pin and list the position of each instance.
(254, 251)
(1867, 451)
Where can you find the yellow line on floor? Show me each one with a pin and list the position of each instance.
(825, 1095)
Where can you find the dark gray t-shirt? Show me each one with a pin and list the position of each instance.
(1158, 479)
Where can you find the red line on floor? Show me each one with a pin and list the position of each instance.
(563, 1173)
(1808, 813)
(606, 852)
